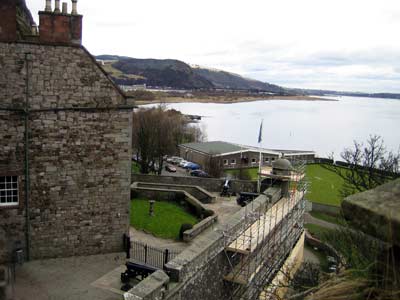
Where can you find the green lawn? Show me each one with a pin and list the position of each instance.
(324, 186)
(166, 222)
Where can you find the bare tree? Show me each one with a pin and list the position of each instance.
(213, 166)
(157, 132)
(367, 166)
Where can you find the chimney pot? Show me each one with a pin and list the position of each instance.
(65, 8)
(57, 7)
(34, 29)
(74, 7)
(48, 5)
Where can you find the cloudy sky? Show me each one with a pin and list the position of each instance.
(349, 45)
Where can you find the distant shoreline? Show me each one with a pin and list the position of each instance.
(230, 100)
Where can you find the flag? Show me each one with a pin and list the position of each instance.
(260, 133)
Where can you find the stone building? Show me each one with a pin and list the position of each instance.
(233, 156)
(65, 140)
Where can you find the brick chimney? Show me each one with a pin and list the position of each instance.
(8, 21)
(60, 27)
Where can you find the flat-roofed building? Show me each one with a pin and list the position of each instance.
(233, 155)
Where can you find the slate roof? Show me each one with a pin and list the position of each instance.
(215, 147)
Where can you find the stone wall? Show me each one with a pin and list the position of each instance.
(199, 193)
(12, 219)
(198, 272)
(210, 184)
(79, 151)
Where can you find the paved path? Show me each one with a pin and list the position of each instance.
(65, 278)
(309, 219)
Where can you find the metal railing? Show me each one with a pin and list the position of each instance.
(150, 255)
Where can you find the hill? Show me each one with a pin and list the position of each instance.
(227, 80)
(177, 74)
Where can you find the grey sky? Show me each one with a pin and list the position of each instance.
(331, 44)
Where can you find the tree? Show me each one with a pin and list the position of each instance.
(157, 132)
(367, 166)
(213, 166)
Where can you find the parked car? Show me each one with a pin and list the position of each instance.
(182, 163)
(199, 173)
(170, 168)
(171, 159)
(192, 166)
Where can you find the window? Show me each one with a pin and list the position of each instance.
(225, 161)
(8, 190)
(253, 160)
(272, 159)
(233, 161)
(266, 159)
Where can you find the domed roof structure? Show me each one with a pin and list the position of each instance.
(281, 167)
(282, 164)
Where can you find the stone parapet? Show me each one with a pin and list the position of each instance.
(376, 212)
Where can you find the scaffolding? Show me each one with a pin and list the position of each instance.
(257, 250)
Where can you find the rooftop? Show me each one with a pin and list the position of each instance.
(215, 147)
(219, 147)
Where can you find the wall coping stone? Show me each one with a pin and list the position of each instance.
(376, 212)
(151, 288)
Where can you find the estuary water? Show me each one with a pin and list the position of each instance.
(321, 126)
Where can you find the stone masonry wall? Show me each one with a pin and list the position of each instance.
(12, 220)
(79, 151)
(209, 184)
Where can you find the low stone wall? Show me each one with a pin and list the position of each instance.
(153, 288)
(314, 242)
(208, 216)
(210, 184)
(198, 228)
(199, 193)
(194, 205)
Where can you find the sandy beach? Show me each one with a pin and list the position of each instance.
(229, 99)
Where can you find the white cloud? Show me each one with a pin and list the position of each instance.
(341, 43)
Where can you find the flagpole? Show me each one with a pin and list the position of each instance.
(260, 159)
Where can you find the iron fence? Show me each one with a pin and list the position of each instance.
(153, 256)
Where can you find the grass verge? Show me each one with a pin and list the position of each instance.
(166, 222)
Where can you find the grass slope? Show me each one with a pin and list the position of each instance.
(166, 222)
(325, 185)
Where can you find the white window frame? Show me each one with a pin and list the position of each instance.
(9, 190)
(233, 161)
(266, 159)
(225, 162)
(253, 160)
